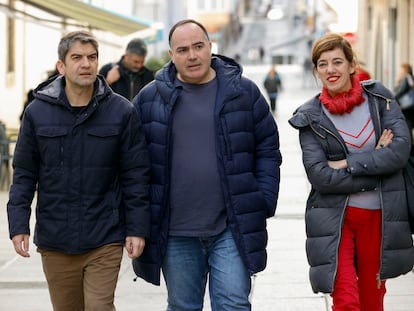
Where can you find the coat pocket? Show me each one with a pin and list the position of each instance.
(102, 146)
(51, 144)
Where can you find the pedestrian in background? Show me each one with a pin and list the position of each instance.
(129, 75)
(215, 157)
(82, 150)
(404, 83)
(307, 75)
(261, 53)
(30, 97)
(354, 144)
(273, 85)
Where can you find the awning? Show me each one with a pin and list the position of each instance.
(91, 15)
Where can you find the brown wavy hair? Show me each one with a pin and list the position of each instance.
(329, 42)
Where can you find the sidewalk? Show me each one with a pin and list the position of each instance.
(283, 286)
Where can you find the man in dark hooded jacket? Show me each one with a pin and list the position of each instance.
(128, 76)
(82, 149)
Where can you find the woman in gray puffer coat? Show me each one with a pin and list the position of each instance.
(354, 144)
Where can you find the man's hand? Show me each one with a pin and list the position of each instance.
(134, 246)
(21, 244)
(113, 75)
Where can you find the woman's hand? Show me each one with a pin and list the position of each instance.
(385, 139)
(338, 164)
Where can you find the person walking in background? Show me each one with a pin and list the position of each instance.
(354, 144)
(404, 83)
(307, 73)
(81, 148)
(30, 97)
(214, 151)
(273, 85)
(129, 75)
(261, 53)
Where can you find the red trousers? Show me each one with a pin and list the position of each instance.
(357, 286)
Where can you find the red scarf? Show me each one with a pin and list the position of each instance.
(345, 101)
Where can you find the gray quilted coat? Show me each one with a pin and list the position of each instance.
(330, 190)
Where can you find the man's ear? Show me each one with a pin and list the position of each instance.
(170, 54)
(60, 66)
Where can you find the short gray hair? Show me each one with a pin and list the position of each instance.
(137, 46)
(70, 38)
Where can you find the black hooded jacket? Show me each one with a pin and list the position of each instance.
(130, 83)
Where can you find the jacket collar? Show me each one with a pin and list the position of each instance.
(228, 73)
(51, 89)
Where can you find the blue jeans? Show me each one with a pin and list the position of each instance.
(188, 262)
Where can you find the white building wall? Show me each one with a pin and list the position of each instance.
(36, 42)
(35, 53)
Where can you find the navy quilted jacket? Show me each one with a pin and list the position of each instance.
(247, 152)
(91, 171)
(330, 191)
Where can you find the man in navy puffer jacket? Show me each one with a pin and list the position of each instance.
(215, 159)
(81, 146)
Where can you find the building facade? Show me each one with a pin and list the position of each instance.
(30, 32)
(385, 37)
(31, 29)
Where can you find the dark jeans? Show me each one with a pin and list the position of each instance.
(188, 262)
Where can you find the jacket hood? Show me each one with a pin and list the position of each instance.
(50, 90)
(375, 88)
(301, 115)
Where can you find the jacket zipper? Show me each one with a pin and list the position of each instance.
(336, 137)
(382, 230)
(131, 89)
(339, 240)
(380, 193)
(328, 131)
(388, 100)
